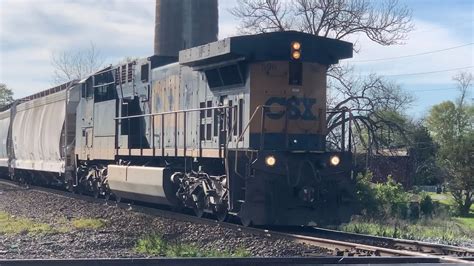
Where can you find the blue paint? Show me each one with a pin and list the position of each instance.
(293, 107)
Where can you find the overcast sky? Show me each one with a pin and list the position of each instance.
(31, 30)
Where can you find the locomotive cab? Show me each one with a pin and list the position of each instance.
(280, 171)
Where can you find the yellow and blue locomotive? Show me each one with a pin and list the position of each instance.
(234, 127)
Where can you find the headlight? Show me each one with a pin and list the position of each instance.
(270, 160)
(296, 45)
(296, 55)
(335, 160)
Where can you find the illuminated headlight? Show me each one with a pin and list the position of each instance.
(296, 54)
(270, 160)
(335, 160)
(296, 45)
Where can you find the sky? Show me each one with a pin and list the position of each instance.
(32, 30)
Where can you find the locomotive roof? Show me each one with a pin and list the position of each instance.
(266, 47)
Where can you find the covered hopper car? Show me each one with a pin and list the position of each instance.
(234, 127)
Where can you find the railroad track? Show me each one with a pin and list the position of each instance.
(394, 243)
(336, 247)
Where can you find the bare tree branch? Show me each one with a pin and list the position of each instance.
(386, 22)
(375, 104)
(259, 16)
(70, 65)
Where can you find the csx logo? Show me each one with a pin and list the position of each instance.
(293, 107)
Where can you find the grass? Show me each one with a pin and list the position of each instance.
(155, 245)
(88, 223)
(445, 199)
(441, 227)
(447, 230)
(13, 225)
(466, 221)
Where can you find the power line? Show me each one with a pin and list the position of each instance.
(430, 72)
(412, 55)
(439, 89)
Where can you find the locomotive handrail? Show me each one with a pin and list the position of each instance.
(173, 112)
(245, 130)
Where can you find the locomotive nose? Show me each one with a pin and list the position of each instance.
(306, 194)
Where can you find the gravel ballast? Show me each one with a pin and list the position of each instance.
(121, 230)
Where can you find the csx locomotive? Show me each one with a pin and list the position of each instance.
(234, 127)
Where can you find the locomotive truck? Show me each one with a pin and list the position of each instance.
(234, 127)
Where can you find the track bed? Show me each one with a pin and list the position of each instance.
(121, 230)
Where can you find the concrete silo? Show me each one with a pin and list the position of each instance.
(181, 24)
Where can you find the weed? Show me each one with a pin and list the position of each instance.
(88, 223)
(451, 230)
(155, 245)
(13, 225)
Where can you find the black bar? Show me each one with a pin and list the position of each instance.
(262, 129)
(184, 137)
(162, 134)
(176, 134)
(343, 130)
(260, 261)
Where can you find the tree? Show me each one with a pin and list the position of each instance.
(6, 95)
(452, 127)
(70, 65)
(384, 22)
(376, 106)
(423, 152)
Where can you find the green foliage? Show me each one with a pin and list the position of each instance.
(392, 198)
(155, 245)
(427, 206)
(381, 200)
(452, 127)
(88, 223)
(446, 230)
(14, 225)
(422, 151)
(6, 95)
(365, 194)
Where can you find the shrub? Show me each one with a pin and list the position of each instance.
(381, 200)
(414, 210)
(427, 206)
(392, 198)
(365, 194)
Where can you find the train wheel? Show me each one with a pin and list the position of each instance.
(221, 215)
(199, 205)
(220, 211)
(95, 190)
(245, 221)
(118, 199)
(198, 211)
(70, 187)
(107, 192)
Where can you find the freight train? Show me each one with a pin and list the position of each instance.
(235, 127)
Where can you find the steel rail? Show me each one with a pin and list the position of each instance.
(337, 247)
(413, 245)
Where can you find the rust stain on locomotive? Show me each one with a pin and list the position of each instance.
(167, 98)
